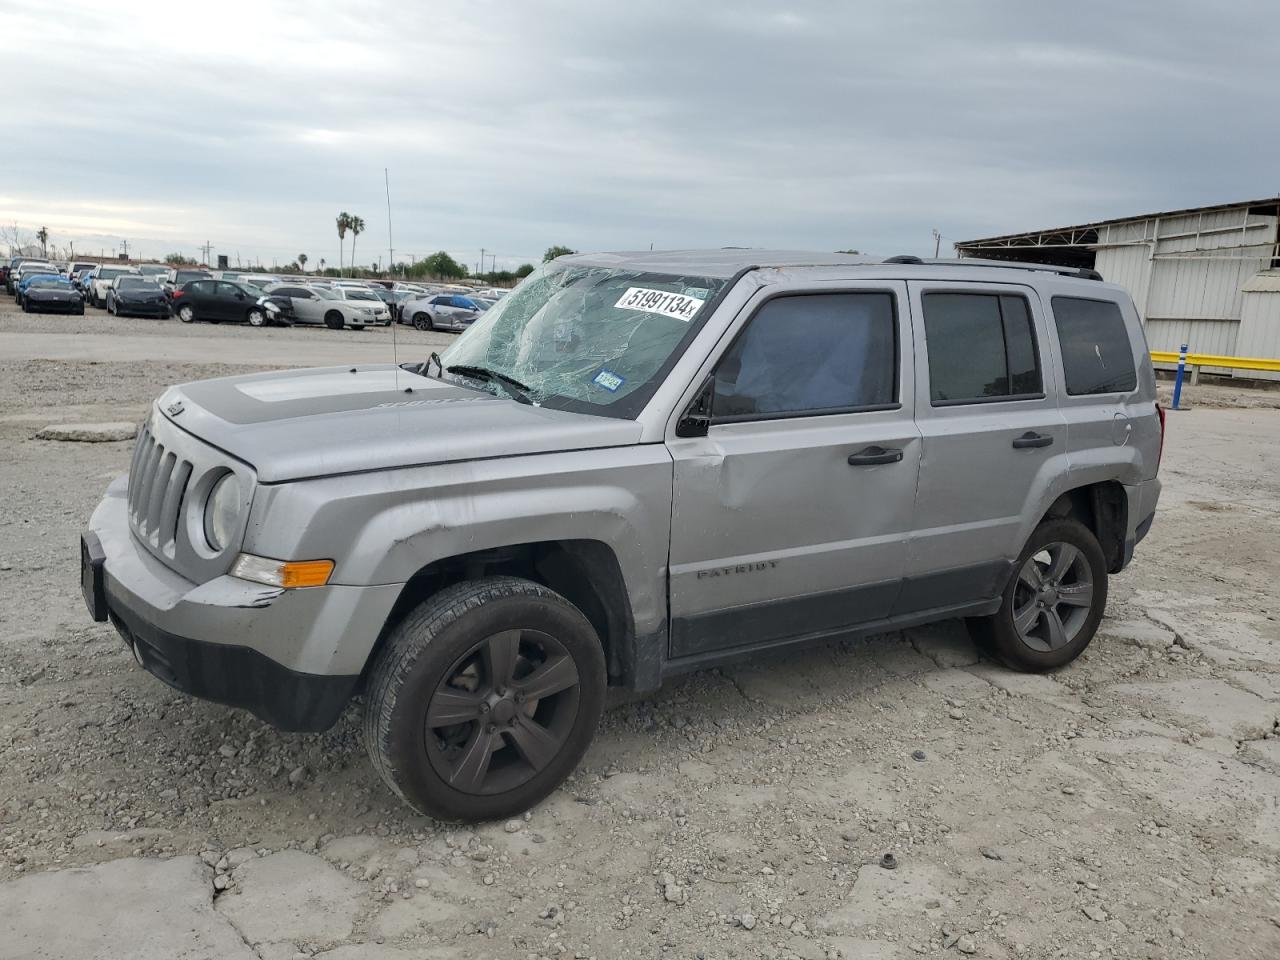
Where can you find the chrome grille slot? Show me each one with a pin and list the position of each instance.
(141, 453)
(173, 498)
(159, 486)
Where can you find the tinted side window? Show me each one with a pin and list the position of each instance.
(1096, 355)
(811, 354)
(203, 287)
(981, 347)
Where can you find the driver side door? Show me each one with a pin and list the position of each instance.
(791, 515)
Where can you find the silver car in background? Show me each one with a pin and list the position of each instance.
(316, 304)
(446, 311)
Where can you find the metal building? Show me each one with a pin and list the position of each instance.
(1206, 276)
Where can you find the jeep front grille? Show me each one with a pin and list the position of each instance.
(157, 486)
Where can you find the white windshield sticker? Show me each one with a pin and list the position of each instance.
(665, 302)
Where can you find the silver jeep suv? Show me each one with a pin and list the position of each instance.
(634, 466)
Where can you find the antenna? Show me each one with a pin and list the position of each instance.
(391, 264)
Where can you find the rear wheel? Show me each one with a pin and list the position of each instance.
(1054, 601)
(333, 320)
(185, 313)
(484, 699)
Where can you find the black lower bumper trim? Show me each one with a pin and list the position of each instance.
(236, 676)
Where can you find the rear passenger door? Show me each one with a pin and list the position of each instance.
(994, 439)
(790, 516)
(1108, 397)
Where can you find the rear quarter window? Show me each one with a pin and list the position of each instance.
(1096, 354)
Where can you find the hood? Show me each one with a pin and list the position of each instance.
(52, 293)
(295, 424)
(142, 295)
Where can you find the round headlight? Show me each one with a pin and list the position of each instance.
(221, 512)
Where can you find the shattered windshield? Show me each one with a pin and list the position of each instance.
(586, 338)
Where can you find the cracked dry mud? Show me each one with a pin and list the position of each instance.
(1128, 806)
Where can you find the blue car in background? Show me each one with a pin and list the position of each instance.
(25, 283)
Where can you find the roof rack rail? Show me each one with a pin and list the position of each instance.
(1084, 273)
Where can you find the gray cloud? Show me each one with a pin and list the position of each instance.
(515, 126)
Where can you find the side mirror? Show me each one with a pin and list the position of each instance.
(697, 417)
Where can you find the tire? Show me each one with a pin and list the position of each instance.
(442, 657)
(26, 307)
(186, 313)
(423, 321)
(111, 307)
(256, 318)
(333, 320)
(1039, 646)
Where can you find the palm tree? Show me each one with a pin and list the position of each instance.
(43, 236)
(322, 264)
(356, 226)
(302, 262)
(344, 223)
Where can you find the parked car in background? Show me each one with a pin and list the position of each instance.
(178, 276)
(449, 311)
(134, 295)
(80, 279)
(259, 280)
(157, 271)
(76, 266)
(223, 300)
(367, 300)
(100, 281)
(11, 272)
(46, 293)
(28, 268)
(323, 305)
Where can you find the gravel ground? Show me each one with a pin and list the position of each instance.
(1127, 806)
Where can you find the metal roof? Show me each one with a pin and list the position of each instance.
(1212, 208)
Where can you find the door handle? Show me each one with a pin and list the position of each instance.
(870, 456)
(1032, 439)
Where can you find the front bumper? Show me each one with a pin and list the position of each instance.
(154, 309)
(291, 657)
(54, 306)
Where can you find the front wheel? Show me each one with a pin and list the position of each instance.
(484, 699)
(256, 318)
(333, 320)
(1054, 601)
(423, 321)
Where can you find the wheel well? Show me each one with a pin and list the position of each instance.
(584, 572)
(1103, 508)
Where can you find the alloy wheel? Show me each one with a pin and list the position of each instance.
(1053, 597)
(503, 712)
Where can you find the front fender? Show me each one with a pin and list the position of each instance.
(383, 527)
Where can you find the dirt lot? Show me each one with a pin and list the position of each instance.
(1128, 806)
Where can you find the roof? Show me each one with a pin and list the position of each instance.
(729, 262)
(1212, 208)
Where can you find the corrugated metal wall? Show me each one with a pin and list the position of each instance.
(1259, 334)
(1186, 275)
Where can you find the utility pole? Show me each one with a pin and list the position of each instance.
(481, 270)
(937, 242)
(208, 246)
(124, 249)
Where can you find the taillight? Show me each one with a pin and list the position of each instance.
(178, 293)
(1160, 411)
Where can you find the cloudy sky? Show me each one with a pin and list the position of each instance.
(514, 125)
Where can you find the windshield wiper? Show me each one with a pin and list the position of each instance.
(511, 386)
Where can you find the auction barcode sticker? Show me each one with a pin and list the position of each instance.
(665, 302)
